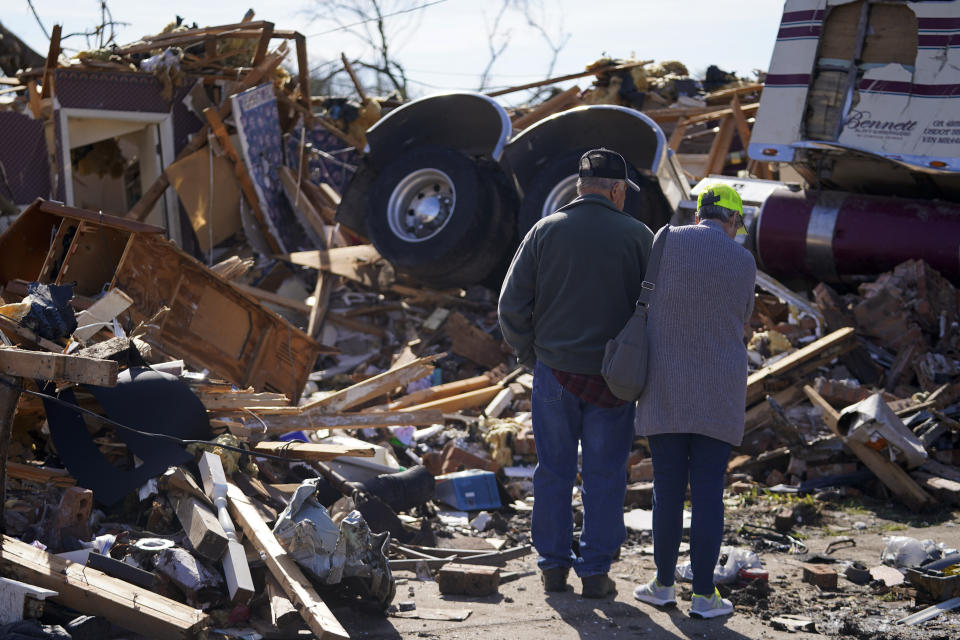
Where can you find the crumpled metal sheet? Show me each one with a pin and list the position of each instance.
(349, 554)
(872, 420)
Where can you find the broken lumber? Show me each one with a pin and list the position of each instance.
(55, 366)
(890, 474)
(312, 450)
(284, 569)
(361, 263)
(373, 387)
(441, 391)
(799, 363)
(472, 342)
(9, 396)
(204, 531)
(469, 400)
(96, 593)
(283, 614)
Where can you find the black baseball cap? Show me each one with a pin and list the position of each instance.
(604, 163)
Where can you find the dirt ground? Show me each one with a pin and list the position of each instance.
(523, 610)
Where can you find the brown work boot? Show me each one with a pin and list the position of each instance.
(554, 579)
(598, 586)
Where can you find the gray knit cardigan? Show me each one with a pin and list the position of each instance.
(697, 376)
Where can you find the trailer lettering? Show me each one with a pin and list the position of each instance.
(861, 121)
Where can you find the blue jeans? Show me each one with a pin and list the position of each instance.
(702, 459)
(560, 422)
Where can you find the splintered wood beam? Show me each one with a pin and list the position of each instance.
(312, 450)
(243, 176)
(441, 391)
(800, 363)
(353, 78)
(97, 594)
(302, 205)
(51, 64)
(469, 400)
(284, 569)
(740, 118)
(889, 473)
(717, 158)
(263, 43)
(303, 69)
(55, 366)
(144, 205)
(557, 103)
(40, 475)
(572, 76)
(360, 263)
(282, 612)
(374, 387)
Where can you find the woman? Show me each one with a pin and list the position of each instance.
(692, 409)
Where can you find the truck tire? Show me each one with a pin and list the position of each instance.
(556, 186)
(427, 208)
(490, 250)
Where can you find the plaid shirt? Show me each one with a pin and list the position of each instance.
(590, 388)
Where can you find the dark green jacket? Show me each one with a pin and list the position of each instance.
(573, 284)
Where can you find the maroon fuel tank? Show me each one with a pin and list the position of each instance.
(832, 234)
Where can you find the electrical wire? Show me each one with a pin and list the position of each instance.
(374, 19)
(117, 425)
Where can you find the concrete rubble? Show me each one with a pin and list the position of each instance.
(238, 399)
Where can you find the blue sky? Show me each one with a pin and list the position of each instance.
(445, 46)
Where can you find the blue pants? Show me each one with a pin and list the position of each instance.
(702, 460)
(560, 422)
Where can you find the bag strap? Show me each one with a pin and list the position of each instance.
(653, 267)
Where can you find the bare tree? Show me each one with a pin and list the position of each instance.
(551, 31)
(381, 25)
(497, 41)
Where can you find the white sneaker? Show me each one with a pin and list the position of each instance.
(656, 594)
(711, 606)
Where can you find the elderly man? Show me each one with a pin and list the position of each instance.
(692, 409)
(571, 287)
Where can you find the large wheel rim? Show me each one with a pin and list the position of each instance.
(563, 193)
(421, 205)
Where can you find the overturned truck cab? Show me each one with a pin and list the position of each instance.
(444, 192)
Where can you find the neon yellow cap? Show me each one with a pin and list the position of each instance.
(723, 195)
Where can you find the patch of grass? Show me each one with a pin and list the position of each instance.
(893, 526)
(854, 508)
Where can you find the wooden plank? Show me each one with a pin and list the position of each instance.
(204, 531)
(677, 136)
(284, 569)
(283, 614)
(303, 70)
(469, 400)
(441, 391)
(311, 421)
(95, 593)
(51, 64)
(353, 78)
(243, 177)
(557, 103)
(21, 333)
(717, 157)
(571, 76)
(360, 263)
(890, 474)
(41, 475)
(238, 400)
(760, 414)
(800, 362)
(265, 35)
(373, 387)
(502, 400)
(312, 450)
(740, 119)
(472, 342)
(55, 366)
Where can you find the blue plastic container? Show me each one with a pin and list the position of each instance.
(469, 490)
